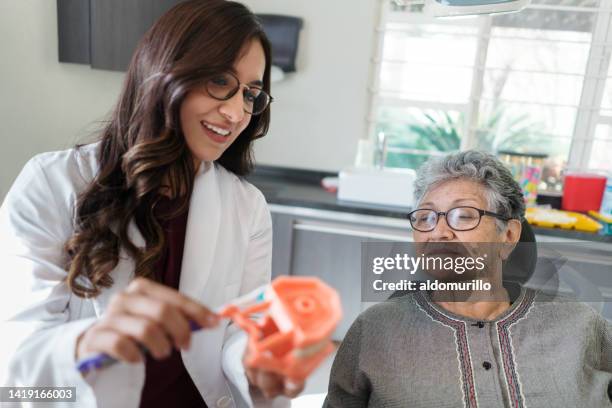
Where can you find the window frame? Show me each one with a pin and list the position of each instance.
(588, 110)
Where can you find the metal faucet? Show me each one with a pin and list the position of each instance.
(381, 150)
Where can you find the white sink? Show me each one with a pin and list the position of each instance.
(388, 187)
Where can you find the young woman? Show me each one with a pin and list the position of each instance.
(119, 243)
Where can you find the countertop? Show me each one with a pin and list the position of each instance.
(301, 188)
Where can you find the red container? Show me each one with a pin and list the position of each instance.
(582, 192)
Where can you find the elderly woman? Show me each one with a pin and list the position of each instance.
(521, 350)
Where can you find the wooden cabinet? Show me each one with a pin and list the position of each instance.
(118, 25)
(73, 31)
(105, 33)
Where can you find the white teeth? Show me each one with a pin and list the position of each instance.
(222, 132)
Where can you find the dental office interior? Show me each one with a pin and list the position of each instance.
(364, 93)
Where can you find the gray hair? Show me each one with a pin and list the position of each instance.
(503, 194)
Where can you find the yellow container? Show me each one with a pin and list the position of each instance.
(606, 220)
(549, 218)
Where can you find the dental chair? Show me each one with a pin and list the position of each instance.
(548, 271)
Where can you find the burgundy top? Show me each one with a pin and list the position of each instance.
(167, 382)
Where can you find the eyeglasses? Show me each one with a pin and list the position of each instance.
(458, 218)
(224, 86)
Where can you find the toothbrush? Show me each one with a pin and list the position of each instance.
(102, 360)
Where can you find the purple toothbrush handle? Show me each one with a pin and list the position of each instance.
(101, 360)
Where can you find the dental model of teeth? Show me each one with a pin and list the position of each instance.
(293, 336)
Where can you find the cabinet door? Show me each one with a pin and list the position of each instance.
(118, 25)
(73, 31)
(336, 259)
(282, 245)
(330, 251)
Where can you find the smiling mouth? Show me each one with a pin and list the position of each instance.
(442, 254)
(445, 249)
(217, 130)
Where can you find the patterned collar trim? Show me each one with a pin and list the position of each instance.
(523, 301)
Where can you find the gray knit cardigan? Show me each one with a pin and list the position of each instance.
(409, 352)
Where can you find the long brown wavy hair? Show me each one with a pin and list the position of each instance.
(142, 149)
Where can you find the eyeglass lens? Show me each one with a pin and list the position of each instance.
(224, 86)
(460, 219)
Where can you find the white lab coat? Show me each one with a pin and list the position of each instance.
(227, 253)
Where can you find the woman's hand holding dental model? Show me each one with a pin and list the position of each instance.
(146, 313)
(158, 317)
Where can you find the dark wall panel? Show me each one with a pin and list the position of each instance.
(73, 31)
(105, 33)
(118, 25)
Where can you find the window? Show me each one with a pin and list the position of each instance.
(533, 82)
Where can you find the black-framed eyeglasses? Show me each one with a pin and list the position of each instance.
(225, 85)
(463, 218)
